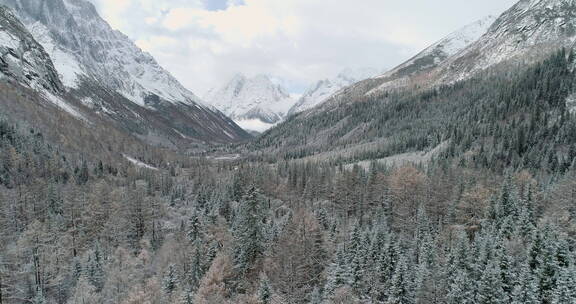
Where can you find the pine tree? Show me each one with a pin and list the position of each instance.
(248, 232)
(338, 272)
(194, 227)
(401, 286)
(526, 288)
(385, 268)
(170, 280)
(187, 297)
(490, 287)
(565, 291)
(316, 296)
(39, 298)
(264, 292)
(96, 274)
(462, 290)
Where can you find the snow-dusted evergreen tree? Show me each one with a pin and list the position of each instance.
(194, 227)
(95, 272)
(462, 290)
(39, 298)
(565, 291)
(338, 272)
(526, 288)
(248, 232)
(490, 287)
(386, 264)
(170, 280)
(187, 297)
(401, 291)
(316, 296)
(264, 291)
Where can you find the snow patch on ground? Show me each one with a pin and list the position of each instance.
(138, 163)
(415, 158)
(60, 103)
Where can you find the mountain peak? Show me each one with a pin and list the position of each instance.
(255, 98)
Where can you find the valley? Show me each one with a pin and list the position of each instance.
(448, 179)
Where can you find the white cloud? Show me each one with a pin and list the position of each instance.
(113, 10)
(298, 40)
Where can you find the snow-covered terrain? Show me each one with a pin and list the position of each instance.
(138, 163)
(434, 55)
(323, 89)
(255, 103)
(528, 30)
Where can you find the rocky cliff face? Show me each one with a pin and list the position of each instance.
(22, 58)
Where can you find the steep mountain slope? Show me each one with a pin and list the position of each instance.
(110, 75)
(528, 31)
(323, 89)
(434, 55)
(255, 103)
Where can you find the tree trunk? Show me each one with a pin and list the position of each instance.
(1, 289)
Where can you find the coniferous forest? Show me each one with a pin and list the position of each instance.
(489, 219)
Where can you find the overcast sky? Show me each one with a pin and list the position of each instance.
(204, 42)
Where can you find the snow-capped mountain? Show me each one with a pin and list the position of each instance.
(106, 71)
(323, 89)
(525, 32)
(255, 103)
(434, 55)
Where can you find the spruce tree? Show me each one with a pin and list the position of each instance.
(264, 291)
(490, 287)
(170, 280)
(248, 232)
(565, 291)
(401, 287)
(526, 288)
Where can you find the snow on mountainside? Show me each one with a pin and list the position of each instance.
(23, 58)
(83, 44)
(255, 103)
(434, 55)
(323, 89)
(527, 31)
(107, 72)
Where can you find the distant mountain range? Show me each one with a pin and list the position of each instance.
(259, 103)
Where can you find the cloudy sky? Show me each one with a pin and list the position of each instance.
(205, 42)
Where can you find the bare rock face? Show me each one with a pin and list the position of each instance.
(22, 58)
